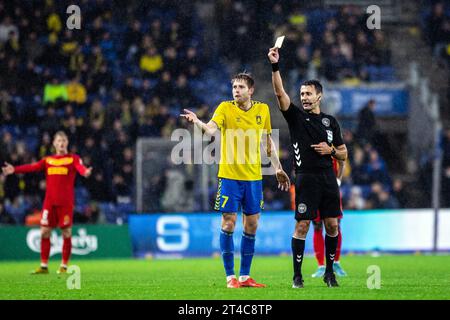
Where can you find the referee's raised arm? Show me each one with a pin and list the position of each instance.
(283, 99)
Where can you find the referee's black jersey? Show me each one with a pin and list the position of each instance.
(307, 129)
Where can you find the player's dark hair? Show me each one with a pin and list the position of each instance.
(247, 77)
(315, 83)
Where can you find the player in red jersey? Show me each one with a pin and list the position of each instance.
(60, 173)
(319, 244)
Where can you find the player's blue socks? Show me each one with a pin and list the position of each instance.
(227, 248)
(247, 251)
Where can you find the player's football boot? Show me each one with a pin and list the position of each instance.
(233, 283)
(251, 283)
(338, 269)
(297, 283)
(319, 273)
(62, 270)
(40, 270)
(330, 279)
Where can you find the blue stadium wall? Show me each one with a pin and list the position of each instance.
(182, 235)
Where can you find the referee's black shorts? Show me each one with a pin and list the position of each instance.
(317, 191)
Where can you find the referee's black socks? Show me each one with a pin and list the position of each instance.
(330, 251)
(298, 249)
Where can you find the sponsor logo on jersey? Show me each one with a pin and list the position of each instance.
(57, 171)
(59, 162)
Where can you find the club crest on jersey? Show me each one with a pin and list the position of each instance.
(301, 208)
(326, 122)
(258, 120)
(330, 136)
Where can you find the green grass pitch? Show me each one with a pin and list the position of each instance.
(402, 277)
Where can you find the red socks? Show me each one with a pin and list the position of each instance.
(66, 250)
(319, 247)
(45, 250)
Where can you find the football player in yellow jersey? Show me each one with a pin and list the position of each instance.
(245, 126)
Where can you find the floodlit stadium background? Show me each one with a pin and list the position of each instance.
(118, 85)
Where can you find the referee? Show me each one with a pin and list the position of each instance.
(316, 138)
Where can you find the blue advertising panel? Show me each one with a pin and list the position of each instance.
(348, 101)
(186, 234)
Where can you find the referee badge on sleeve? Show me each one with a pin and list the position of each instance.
(301, 208)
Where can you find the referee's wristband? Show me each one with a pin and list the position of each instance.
(275, 67)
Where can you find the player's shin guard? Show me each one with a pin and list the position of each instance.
(247, 252)
(339, 245)
(66, 250)
(330, 251)
(227, 249)
(319, 247)
(298, 249)
(45, 251)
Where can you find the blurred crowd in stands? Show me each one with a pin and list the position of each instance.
(337, 42)
(125, 74)
(134, 65)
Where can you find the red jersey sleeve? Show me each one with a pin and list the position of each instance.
(33, 167)
(78, 163)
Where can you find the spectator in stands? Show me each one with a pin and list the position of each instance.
(367, 126)
(400, 193)
(376, 168)
(129, 92)
(382, 51)
(380, 198)
(164, 89)
(6, 28)
(435, 23)
(356, 200)
(151, 62)
(46, 146)
(183, 93)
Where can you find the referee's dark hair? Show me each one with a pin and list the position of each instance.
(247, 77)
(316, 83)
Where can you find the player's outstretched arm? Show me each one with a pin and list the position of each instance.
(269, 146)
(8, 169)
(283, 99)
(81, 169)
(210, 128)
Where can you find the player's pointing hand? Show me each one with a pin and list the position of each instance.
(7, 169)
(189, 115)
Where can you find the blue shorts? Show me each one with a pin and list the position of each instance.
(233, 193)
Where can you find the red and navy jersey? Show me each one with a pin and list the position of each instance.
(60, 172)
